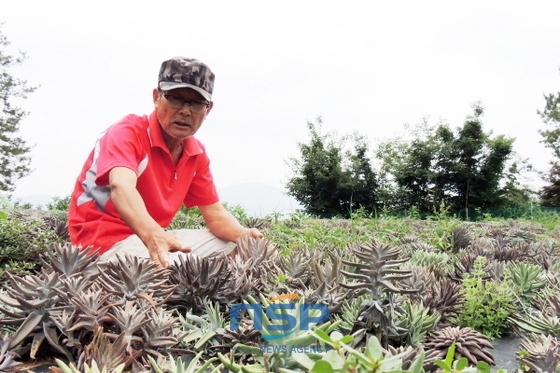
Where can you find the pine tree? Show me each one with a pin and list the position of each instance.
(550, 194)
(14, 152)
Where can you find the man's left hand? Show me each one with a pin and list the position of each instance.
(254, 233)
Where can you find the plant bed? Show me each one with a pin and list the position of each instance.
(400, 282)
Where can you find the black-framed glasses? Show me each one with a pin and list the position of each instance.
(177, 102)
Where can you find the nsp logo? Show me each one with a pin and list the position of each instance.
(289, 323)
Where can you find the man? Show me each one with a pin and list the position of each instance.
(143, 169)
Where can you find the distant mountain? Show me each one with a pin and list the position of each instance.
(259, 200)
(36, 200)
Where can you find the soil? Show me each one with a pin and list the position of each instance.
(504, 353)
(38, 366)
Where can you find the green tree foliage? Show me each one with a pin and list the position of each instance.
(462, 169)
(550, 194)
(331, 181)
(14, 159)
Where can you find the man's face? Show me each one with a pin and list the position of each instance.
(179, 122)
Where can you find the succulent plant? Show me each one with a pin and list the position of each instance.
(160, 332)
(525, 279)
(379, 268)
(421, 277)
(257, 249)
(460, 238)
(468, 343)
(417, 320)
(246, 277)
(31, 298)
(295, 267)
(540, 353)
(110, 355)
(172, 366)
(482, 246)
(74, 287)
(71, 368)
(90, 318)
(203, 332)
(128, 319)
(412, 244)
(506, 253)
(187, 220)
(537, 322)
(330, 296)
(59, 226)
(551, 306)
(7, 357)
(326, 271)
(439, 263)
(260, 224)
(445, 298)
(408, 354)
(243, 280)
(348, 313)
(92, 306)
(465, 264)
(245, 334)
(67, 260)
(195, 279)
(133, 278)
(343, 358)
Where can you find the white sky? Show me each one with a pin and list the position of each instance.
(366, 66)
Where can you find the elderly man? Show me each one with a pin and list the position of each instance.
(143, 168)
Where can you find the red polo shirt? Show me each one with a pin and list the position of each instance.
(136, 143)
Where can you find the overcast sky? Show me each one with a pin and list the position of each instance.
(366, 66)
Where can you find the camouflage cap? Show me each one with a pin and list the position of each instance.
(181, 72)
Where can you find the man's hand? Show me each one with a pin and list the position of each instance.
(224, 225)
(161, 244)
(132, 210)
(253, 232)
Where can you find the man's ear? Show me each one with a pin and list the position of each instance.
(210, 107)
(155, 95)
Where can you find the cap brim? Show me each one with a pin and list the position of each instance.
(167, 86)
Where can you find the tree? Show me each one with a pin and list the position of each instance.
(550, 194)
(330, 181)
(462, 169)
(14, 158)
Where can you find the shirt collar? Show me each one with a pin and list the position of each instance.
(191, 146)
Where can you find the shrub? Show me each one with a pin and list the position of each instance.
(487, 304)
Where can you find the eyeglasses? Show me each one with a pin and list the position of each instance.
(177, 102)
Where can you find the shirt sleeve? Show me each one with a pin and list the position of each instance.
(202, 191)
(119, 147)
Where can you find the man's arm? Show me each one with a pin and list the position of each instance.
(131, 207)
(223, 224)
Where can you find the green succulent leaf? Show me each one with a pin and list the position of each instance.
(443, 365)
(334, 359)
(461, 363)
(323, 337)
(450, 354)
(303, 360)
(322, 367)
(483, 367)
(373, 349)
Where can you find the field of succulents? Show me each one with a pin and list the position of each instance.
(403, 295)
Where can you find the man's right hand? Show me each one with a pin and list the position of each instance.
(161, 244)
(132, 210)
